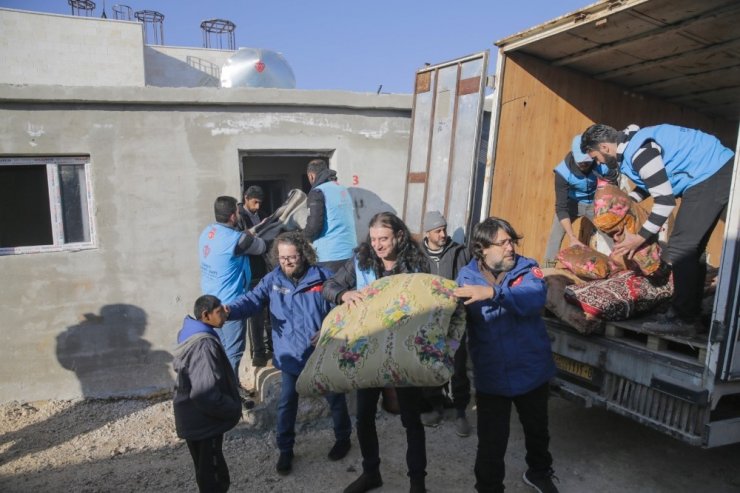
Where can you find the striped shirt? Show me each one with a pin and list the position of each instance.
(648, 163)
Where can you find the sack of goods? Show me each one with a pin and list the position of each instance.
(403, 334)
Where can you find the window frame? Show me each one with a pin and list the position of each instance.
(52, 164)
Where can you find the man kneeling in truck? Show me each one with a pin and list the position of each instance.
(665, 162)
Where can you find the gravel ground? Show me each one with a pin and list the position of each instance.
(131, 446)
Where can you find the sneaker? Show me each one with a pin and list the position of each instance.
(432, 418)
(541, 482)
(259, 361)
(671, 324)
(340, 449)
(284, 463)
(366, 482)
(245, 396)
(462, 427)
(418, 485)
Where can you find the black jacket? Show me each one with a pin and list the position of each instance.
(206, 401)
(316, 205)
(258, 264)
(449, 261)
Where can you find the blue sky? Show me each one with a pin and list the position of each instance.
(347, 45)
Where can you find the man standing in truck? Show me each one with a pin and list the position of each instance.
(666, 162)
(575, 185)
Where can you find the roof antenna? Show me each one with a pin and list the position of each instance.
(379, 88)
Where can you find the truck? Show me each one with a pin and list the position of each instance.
(616, 62)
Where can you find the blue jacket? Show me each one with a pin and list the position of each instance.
(222, 273)
(507, 340)
(689, 156)
(338, 237)
(296, 312)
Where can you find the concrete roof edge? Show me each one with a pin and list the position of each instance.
(201, 96)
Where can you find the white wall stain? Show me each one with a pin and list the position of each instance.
(267, 122)
(102, 125)
(35, 130)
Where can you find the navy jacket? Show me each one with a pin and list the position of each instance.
(206, 401)
(507, 339)
(296, 312)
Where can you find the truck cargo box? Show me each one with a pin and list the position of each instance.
(622, 62)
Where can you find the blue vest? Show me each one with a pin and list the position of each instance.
(580, 188)
(690, 156)
(338, 236)
(363, 277)
(222, 273)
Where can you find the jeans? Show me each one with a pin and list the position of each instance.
(288, 409)
(409, 400)
(233, 338)
(701, 207)
(211, 471)
(494, 415)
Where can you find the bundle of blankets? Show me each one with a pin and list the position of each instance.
(593, 287)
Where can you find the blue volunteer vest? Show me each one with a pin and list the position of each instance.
(690, 156)
(222, 274)
(363, 277)
(338, 236)
(580, 188)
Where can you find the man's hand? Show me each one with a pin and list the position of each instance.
(629, 245)
(315, 338)
(575, 241)
(353, 298)
(474, 293)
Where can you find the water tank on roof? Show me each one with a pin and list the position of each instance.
(256, 67)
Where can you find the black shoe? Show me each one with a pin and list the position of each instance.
(259, 361)
(418, 486)
(284, 463)
(542, 481)
(366, 482)
(340, 449)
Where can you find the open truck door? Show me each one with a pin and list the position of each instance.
(634, 61)
(446, 119)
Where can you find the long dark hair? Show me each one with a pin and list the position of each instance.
(409, 257)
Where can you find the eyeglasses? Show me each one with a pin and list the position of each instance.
(509, 241)
(289, 258)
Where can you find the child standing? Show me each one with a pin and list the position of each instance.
(206, 401)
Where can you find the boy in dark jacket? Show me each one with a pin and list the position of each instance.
(206, 401)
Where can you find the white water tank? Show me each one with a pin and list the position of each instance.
(257, 67)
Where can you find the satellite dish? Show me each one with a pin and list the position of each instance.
(256, 67)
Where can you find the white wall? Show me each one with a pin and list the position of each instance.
(38, 48)
(170, 66)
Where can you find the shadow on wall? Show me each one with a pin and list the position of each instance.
(110, 357)
(167, 71)
(367, 204)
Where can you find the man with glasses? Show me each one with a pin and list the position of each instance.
(297, 308)
(575, 185)
(512, 361)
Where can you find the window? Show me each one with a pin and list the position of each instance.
(45, 204)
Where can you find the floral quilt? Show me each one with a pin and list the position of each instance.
(404, 333)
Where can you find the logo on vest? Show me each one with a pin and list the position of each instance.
(212, 233)
(206, 251)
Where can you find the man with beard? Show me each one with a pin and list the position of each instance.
(446, 258)
(293, 293)
(575, 186)
(331, 216)
(510, 350)
(249, 217)
(665, 162)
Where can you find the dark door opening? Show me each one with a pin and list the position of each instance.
(277, 172)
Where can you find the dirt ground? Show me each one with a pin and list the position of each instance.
(131, 446)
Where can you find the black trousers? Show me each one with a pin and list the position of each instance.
(494, 415)
(701, 207)
(260, 333)
(211, 472)
(409, 400)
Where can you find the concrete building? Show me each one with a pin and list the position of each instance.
(111, 154)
